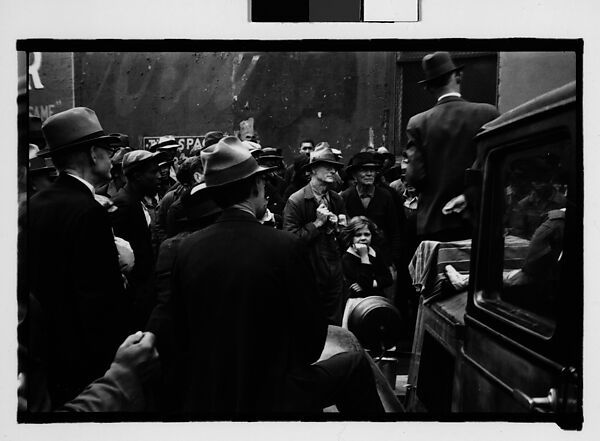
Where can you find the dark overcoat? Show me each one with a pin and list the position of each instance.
(324, 251)
(441, 148)
(73, 271)
(251, 313)
(129, 222)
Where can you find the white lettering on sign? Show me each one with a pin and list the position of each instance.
(34, 71)
(42, 112)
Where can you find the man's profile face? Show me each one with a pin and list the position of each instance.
(261, 200)
(103, 164)
(306, 148)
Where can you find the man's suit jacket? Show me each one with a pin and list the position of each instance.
(74, 273)
(440, 149)
(129, 223)
(251, 313)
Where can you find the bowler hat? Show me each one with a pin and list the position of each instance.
(437, 64)
(226, 162)
(137, 158)
(322, 154)
(73, 128)
(166, 142)
(363, 159)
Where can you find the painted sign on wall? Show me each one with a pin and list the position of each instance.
(187, 143)
(50, 83)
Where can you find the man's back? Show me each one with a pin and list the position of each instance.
(74, 273)
(251, 314)
(443, 139)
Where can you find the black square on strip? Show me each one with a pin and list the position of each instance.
(280, 10)
(335, 10)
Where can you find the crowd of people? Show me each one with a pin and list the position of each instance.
(205, 281)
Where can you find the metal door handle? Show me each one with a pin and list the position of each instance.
(545, 404)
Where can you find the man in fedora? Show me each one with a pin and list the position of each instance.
(247, 301)
(132, 222)
(374, 202)
(72, 259)
(313, 214)
(441, 147)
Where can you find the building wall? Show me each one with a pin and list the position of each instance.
(344, 98)
(525, 75)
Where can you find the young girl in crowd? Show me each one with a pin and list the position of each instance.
(366, 273)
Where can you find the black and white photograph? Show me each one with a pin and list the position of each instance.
(348, 233)
(313, 235)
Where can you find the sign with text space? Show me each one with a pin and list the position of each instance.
(50, 78)
(186, 143)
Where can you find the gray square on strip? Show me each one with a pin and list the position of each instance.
(391, 10)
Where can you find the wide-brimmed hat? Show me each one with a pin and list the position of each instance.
(73, 128)
(167, 142)
(138, 158)
(254, 148)
(437, 64)
(226, 162)
(384, 153)
(363, 159)
(322, 154)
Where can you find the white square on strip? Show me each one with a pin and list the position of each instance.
(391, 10)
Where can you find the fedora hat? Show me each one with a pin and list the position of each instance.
(363, 159)
(73, 128)
(437, 64)
(323, 155)
(227, 161)
(167, 142)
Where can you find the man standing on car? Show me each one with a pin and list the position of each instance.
(441, 147)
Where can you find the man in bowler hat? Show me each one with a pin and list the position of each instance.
(441, 147)
(72, 259)
(247, 300)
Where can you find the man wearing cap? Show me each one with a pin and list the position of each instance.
(72, 259)
(132, 222)
(441, 147)
(275, 184)
(246, 298)
(169, 146)
(312, 213)
(307, 146)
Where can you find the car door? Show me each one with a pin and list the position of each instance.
(523, 326)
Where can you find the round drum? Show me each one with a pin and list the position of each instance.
(376, 323)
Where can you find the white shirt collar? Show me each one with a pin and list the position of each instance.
(86, 183)
(448, 94)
